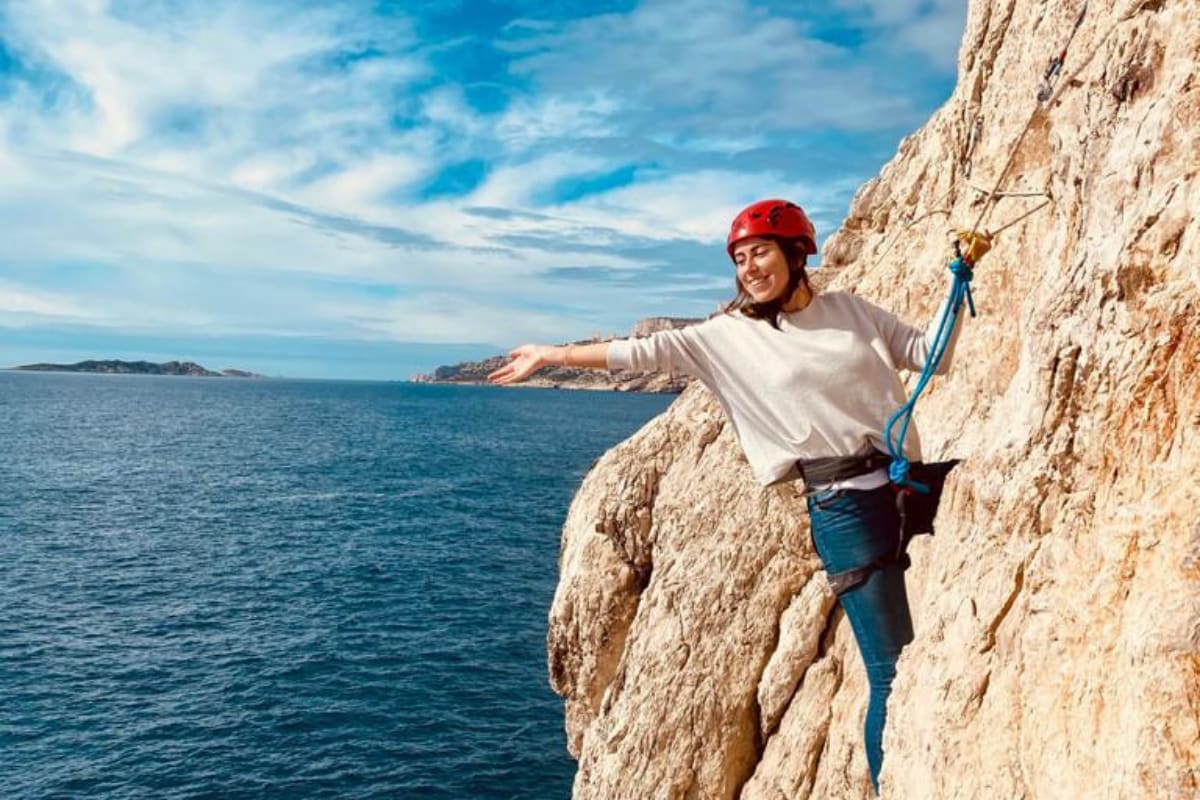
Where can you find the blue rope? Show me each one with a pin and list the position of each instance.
(898, 471)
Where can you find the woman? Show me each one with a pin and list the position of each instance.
(808, 381)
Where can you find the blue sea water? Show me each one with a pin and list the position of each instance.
(217, 588)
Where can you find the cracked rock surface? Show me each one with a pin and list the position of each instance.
(698, 649)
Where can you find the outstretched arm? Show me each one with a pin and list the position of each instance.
(528, 358)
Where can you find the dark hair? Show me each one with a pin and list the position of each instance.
(770, 310)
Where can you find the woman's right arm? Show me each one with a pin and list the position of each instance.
(678, 351)
(528, 358)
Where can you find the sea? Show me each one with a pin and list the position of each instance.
(231, 588)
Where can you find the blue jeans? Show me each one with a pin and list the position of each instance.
(850, 528)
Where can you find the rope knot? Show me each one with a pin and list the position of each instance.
(961, 269)
(898, 475)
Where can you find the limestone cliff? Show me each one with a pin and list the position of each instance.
(692, 634)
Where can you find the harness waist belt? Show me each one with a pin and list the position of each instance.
(838, 468)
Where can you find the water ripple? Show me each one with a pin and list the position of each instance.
(285, 589)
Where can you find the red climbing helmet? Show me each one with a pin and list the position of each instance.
(773, 218)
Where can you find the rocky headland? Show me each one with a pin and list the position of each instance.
(115, 367)
(693, 636)
(476, 372)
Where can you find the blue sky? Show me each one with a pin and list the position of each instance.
(371, 189)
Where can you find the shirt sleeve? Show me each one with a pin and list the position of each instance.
(910, 347)
(676, 351)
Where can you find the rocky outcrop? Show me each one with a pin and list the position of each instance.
(475, 372)
(692, 635)
(645, 327)
(114, 367)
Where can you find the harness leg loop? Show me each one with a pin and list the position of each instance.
(844, 581)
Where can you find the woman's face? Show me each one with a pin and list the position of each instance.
(762, 268)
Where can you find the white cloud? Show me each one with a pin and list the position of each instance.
(361, 187)
(929, 28)
(696, 206)
(247, 167)
(447, 317)
(266, 170)
(446, 108)
(529, 122)
(726, 68)
(516, 185)
(210, 85)
(18, 303)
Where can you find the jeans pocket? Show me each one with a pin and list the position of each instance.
(824, 498)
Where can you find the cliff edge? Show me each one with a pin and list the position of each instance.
(1057, 654)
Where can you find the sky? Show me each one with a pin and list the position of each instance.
(368, 190)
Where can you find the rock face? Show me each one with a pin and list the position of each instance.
(1057, 611)
(645, 327)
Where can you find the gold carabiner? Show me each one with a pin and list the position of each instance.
(974, 244)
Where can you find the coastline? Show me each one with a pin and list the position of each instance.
(188, 369)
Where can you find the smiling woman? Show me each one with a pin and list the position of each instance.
(769, 243)
(807, 381)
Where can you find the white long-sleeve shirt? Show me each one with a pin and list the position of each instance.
(824, 384)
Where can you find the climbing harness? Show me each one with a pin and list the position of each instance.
(916, 511)
(842, 582)
(816, 471)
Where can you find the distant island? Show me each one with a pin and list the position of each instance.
(113, 367)
(556, 377)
